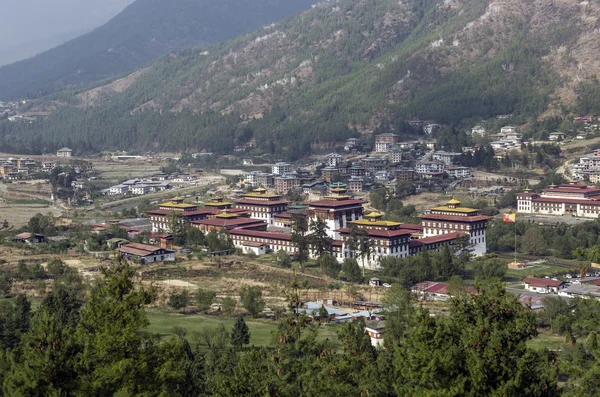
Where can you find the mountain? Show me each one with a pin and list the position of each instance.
(336, 71)
(144, 31)
(32, 26)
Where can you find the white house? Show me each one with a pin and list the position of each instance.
(334, 159)
(478, 130)
(146, 253)
(543, 285)
(281, 168)
(376, 331)
(254, 247)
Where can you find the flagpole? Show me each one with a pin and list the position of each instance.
(515, 240)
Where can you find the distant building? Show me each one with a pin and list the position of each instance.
(508, 129)
(446, 157)
(284, 184)
(262, 205)
(146, 253)
(281, 168)
(376, 331)
(458, 172)
(64, 152)
(330, 174)
(543, 285)
(566, 199)
(556, 136)
(478, 130)
(334, 159)
(395, 156)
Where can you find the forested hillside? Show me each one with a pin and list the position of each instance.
(336, 71)
(141, 33)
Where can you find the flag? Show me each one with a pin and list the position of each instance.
(509, 218)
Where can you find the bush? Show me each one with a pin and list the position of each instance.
(252, 300)
(204, 298)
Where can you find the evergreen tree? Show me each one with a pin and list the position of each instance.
(319, 239)
(240, 335)
(252, 300)
(204, 298)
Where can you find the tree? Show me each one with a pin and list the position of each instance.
(299, 238)
(351, 270)
(179, 300)
(5, 283)
(492, 268)
(329, 265)
(240, 335)
(204, 298)
(252, 300)
(365, 248)
(319, 239)
(283, 259)
(177, 227)
(56, 267)
(533, 242)
(228, 305)
(194, 237)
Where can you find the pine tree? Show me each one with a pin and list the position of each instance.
(240, 334)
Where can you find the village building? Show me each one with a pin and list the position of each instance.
(395, 156)
(425, 167)
(146, 253)
(160, 218)
(281, 168)
(229, 221)
(446, 157)
(432, 290)
(478, 130)
(566, 199)
(458, 172)
(218, 203)
(356, 184)
(64, 152)
(336, 211)
(557, 136)
(330, 174)
(376, 331)
(508, 129)
(29, 238)
(262, 205)
(384, 142)
(543, 285)
(404, 174)
(452, 218)
(357, 170)
(334, 159)
(386, 238)
(373, 164)
(283, 184)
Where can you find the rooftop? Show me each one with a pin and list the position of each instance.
(542, 282)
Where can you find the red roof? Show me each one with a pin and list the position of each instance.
(334, 203)
(411, 226)
(141, 249)
(232, 222)
(259, 234)
(253, 244)
(542, 282)
(204, 211)
(566, 200)
(262, 202)
(436, 239)
(571, 189)
(380, 233)
(456, 218)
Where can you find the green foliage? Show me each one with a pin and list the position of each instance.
(240, 335)
(489, 269)
(319, 240)
(283, 259)
(204, 298)
(329, 265)
(228, 305)
(56, 267)
(5, 283)
(252, 300)
(351, 270)
(179, 300)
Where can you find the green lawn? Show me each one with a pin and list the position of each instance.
(162, 322)
(548, 341)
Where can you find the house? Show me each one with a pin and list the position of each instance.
(145, 253)
(334, 159)
(556, 136)
(64, 152)
(376, 331)
(374, 282)
(584, 291)
(446, 157)
(29, 238)
(478, 130)
(436, 291)
(255, 248)
(508, 129)
(458, 172)
(543, 285)
(281, 168)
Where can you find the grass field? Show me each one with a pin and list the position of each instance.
(162, 322)
(548, 341)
